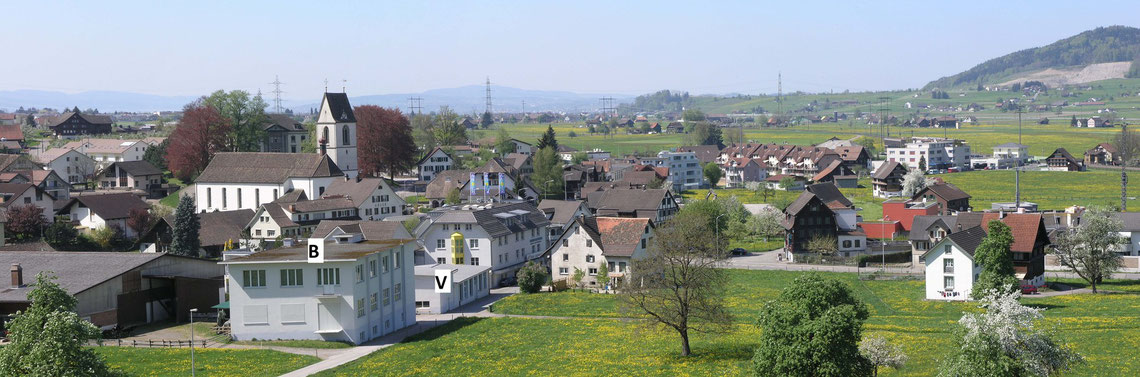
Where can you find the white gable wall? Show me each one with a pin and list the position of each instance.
(964, 273)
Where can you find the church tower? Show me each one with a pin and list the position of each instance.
(336, 132)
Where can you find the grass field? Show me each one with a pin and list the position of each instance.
(1100, 327)
(1049, 189)
(209, 361)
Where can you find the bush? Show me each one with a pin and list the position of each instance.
(531, 277)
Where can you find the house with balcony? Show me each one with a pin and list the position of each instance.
(887, 179)
(822, 211)
(504, 236)
(133, 175)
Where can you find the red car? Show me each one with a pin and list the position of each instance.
(1028, 289)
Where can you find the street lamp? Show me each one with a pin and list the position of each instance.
(717, 226)
(546, 188)
(884, 254)
(192, 311)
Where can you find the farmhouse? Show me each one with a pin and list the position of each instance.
(1061, 160)
(592, 242)
(950, 198)
(132, 175)
(73, 124)
(887, 179)
(822, 211)
(216, 230)
(1104, 154)
(658, 205)
(91, 212)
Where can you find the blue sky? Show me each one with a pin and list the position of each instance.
(627, 47)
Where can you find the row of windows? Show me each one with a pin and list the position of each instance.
(225, 198)
(290, 277)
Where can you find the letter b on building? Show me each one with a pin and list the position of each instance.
(316, 250)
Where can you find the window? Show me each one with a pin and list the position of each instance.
(328, 276)
(565, 257)
(372, 268)
(386, 263)
(593, 271)
(292, 277)
(949, 283)
(474, 243)
(238, 197)
(440, 244)
(397, 292)
(565, 243)
(423, 304)
(359, 307)
(209, 197)
(346, 140)
(642, 243)
(253, 278)
(387, 292)
(474, 261)
(465, 227)
(372, 302)
(948, 266)
(224, 198)
(946, 249)
(399, 255)
(621, 267)
(563, 271)
(846, 244)
(612, 267)
(590, 258)
(589, 243)
(441, 260)
(359, 272)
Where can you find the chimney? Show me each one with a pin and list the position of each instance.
(17, 275)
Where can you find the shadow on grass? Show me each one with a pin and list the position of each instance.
(442, 330)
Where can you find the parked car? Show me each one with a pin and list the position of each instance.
(739, 251)
(1028, 289)
(954, 170)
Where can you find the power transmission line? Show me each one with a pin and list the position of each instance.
(277, 94)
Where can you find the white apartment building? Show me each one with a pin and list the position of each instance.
(363, 290)
(503, 236)
(685, 171)
(950, 267)
(246, 180)
(935, 152)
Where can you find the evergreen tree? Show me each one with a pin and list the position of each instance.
(548, 139)
(994, 255)
(184, 240)
(49, 338)
(487, 121)
(1074, 123)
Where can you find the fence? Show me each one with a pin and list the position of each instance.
(151, 343)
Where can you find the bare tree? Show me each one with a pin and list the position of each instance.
(823, 244)
(1090, 250)
(678, 284)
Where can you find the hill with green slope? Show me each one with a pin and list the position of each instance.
(1101, 45)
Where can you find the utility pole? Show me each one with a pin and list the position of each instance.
(415, 105)
(1127, 145)
(608, 106)
(277, 94)
(1017, 169)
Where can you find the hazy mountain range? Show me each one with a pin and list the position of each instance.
(466, 99)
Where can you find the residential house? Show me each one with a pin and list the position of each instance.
(566, 152)
(949, 197)
(468, 284)
(297, 219)
(11, 138)
(950, 266)
(562, 213)
(503, 236)
(46, 180)
(74, 166)
(1096, 121)
(523, 147)
(1104, 154)
(246, 180)
(24, 194)
(658, 205)
(362, 291)
(434, 162)
(73, 124)
(93, 212)
(887, 179)
(106, 151)
(373, 197)
(927, 230)
(854, 156)
(283, 134)
(1061, 160)
(133, 175)
(685, 170)
(822, 211)
(839, 174)
(216, 230)
(1007, 155)
(114, 290)
(705, 153)
(592, 242)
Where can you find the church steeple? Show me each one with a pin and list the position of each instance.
(336, 132)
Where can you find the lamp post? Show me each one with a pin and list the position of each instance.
(717, 226)
(192, 311)
(546, 188)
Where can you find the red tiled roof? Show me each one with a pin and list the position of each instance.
(1024, 226)
(11, 132)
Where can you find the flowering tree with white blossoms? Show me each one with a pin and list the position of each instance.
(1004, 341)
